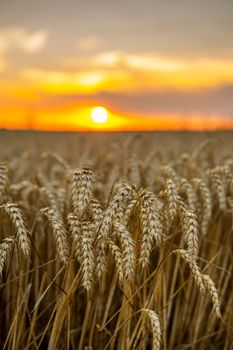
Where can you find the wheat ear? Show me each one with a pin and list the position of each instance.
(210, 287)
(156, 328)
(151, 228)
(59, 232)
(193, 267)
(3, 180)
(113, 208)
(190, 228)
(74, 227)
(172, 199)
(187, 188)
(128, 254)
(5, 248)
(219, 189)
(81, 191)
(87, 253)
(16, 216)
(206, 203)
(115, 250)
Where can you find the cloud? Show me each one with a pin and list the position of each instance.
(88, 43)
(118, 71)
(34, 42)
(19, 38)
(84, 79)
(152, 62)
(145, 62)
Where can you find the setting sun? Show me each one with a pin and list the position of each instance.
(99, 115)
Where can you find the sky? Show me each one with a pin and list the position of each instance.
(151, 64)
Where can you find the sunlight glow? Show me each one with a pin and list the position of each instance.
(99, 115)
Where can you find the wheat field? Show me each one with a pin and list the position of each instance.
(116, 241)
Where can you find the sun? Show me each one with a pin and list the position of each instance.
(99, 115)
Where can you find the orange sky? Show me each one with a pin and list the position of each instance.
(80, 119)
(157, 69)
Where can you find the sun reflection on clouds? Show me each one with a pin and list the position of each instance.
(117, 71)
(90, 78)
(144, 62)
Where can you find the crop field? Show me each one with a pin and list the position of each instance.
(116, 241)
